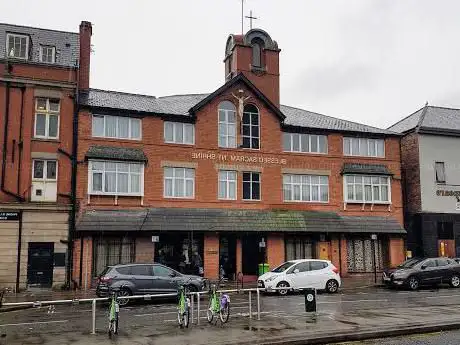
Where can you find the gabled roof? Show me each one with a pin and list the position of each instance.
(67, 43)
(180, 105)
(430, 119)
(240, 78)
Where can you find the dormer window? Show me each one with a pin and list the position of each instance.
(47, 54)
(17, 46)
(257, 50)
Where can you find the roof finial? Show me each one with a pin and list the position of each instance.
(426, 104)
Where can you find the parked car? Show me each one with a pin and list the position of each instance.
(416, 272)
(298, 274)
(143, 279)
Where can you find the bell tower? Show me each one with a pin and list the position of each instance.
(255, 55)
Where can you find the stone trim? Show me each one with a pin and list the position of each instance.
(44, 155)
(48, 93)
(179, 164)
(238, 167)
(305, 171)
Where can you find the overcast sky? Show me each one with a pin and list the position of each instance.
(368, 61)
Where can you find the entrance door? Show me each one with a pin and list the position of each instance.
(40, 264)
(323, 248)
(227, 252)
(253, 255)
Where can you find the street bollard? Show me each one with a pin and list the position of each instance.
(250, 304)
(94, 317)
(192, 306)
(198, 308)
(258, 304)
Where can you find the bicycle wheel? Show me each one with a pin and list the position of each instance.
(179, 317)
(115, 324)
(210, 312)
(110, 329)
(186, 317)
(224, 313)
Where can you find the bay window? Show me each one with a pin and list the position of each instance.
(116, 178)
(367, 189)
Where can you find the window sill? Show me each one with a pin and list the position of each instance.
(238, 148)
(49, 140)
(177, 144)
(366, 157)
(306, 202)
(251, 201)
(368, 202)
(116, 139)
(178, 198)
(117, 195)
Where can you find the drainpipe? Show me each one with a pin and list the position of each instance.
(18, 261)
(5, 142)
(21, 141)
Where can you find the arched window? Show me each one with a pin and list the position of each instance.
(251, 127)
(257, 49)
(227, 124)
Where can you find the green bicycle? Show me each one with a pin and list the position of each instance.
(114, 310)
(218, 305)
(183, 307)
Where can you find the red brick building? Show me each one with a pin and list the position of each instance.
(234, 177)
(39, 78)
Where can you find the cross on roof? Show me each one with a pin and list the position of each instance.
(250, 17)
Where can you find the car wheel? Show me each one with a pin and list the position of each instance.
(281, 285)
(413, 283)
(332, 286)
(124, 293)
(455, 281)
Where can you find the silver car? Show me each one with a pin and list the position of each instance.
(144, 279)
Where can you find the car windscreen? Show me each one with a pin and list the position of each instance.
(410, 263)
(283, 267)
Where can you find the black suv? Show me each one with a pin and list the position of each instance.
(424, 271)
(144, 279)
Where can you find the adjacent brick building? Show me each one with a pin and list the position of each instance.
(233, 178)
(431, 169)
(39, 78)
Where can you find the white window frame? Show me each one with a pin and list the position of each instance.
(227, 124)
(13, 36)
(250, 136)
(117, 135)
(348, 141)
(47, 113)
(442, 166)
(175, 125)
(363, 184)
(45, 170)
(174, 178)
(228, 182)
(251, 182)
(103, 172)
(53, 53)
(302, 137)
(308, 185)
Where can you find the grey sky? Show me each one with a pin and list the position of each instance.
(368, 61)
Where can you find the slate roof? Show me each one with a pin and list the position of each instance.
(67, 43)
(116, 153)
(372, 169)
(181, 104)
(430, 118)
(180, 219)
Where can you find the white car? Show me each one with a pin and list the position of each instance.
(298, 274)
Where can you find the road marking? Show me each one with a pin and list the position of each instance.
(33, 323)
(443, 296)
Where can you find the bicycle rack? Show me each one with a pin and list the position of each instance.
(240, 278)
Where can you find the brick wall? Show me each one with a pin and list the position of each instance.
(211, 256)
(410, 168)
(275, 250)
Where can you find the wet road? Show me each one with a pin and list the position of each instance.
(442, 338)
(148, 318)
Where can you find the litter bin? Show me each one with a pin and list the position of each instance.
(310, 300)
(263, 268)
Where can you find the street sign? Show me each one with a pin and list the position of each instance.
(374, 237)
(9, 215)
(310, 300)
(155, 239)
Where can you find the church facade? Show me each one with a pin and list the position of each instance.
(230, 180)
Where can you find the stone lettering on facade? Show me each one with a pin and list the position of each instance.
(238, 158)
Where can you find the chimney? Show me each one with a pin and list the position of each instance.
(86, 30)
(255, 55)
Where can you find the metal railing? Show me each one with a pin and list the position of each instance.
(93, 301)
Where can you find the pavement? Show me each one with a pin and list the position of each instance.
(347, 316)
(438, 338)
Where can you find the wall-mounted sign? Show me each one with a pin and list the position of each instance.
(230, 158)
(9, 216)
(441, 192)
(374, 237)
(155, 239)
